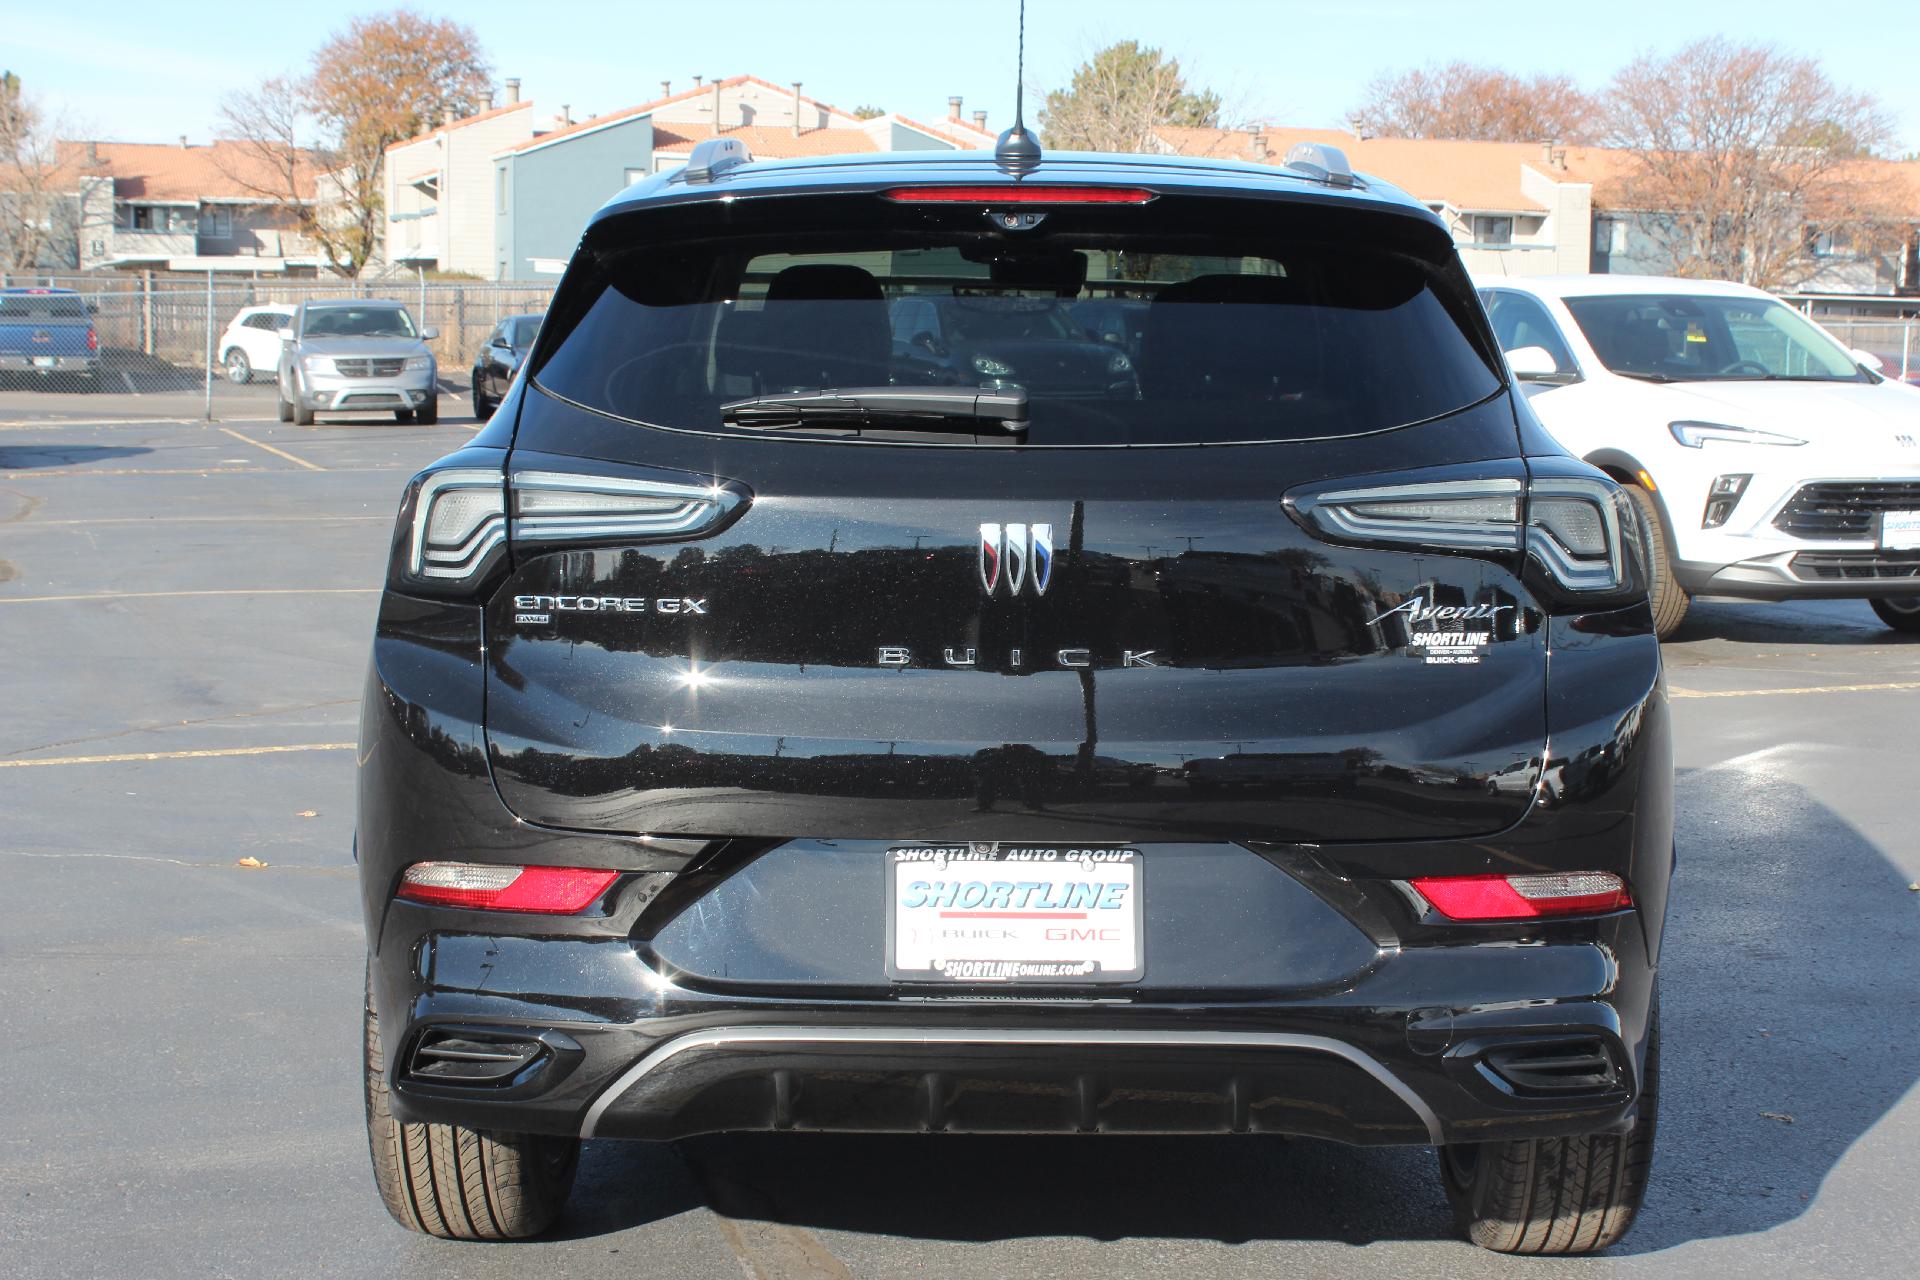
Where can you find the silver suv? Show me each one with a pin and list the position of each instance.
(356, 355)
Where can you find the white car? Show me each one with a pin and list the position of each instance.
(250, 344)
(1771, 462)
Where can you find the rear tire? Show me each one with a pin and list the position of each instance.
(1556, 1195)
(239, 370)
(1670, 599)
(429, 412)
(482, 407)
(1902, 613)
(458, 1183)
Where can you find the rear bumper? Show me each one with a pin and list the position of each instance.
(1393, 1062)
(50, 364)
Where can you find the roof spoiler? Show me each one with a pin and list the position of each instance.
(1318, 162)
(714, 157)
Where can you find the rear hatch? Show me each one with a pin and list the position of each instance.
(1132, 620)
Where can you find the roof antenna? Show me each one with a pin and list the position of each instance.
(1017, 151)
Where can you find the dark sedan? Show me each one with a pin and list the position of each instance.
(499, 360)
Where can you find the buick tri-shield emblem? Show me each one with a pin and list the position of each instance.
(1019, 553)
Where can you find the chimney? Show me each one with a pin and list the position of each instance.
(980, 121)
(666, 88)
(716, 105)
(183, 142)
(1260, 143)
(513, 90)
(566, 114)
(953, 108)
(796, 108)
(486, 101)
(698, 81)
(1560, 159)
(93, 152)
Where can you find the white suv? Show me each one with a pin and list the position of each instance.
(251, 343)
(1771, 462)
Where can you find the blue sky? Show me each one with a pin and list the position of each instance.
(139, 73)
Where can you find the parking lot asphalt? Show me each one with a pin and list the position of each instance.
(185, 610)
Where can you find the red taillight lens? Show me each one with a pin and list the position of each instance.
(93, 340)
(1011, 194)
(554, 891)
(1570, 893)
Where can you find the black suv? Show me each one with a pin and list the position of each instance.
(1270, 740)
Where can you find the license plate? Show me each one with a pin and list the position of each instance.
(44, 362)
(1013, 914)
(1900, 530)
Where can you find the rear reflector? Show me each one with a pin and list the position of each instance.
(482, 887)
(1011, 194)
(1528, 897)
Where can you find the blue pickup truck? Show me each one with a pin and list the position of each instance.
(48, 334)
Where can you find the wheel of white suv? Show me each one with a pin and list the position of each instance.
(1670, 600)
(239, 370)
(458, 1183)
(1902, 613)
(1556, 1195)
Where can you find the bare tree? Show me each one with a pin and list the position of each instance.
(268, 161)
(1119, 97)
(1464, 100)
(37, 216)
(1739, 150)
(380, 81)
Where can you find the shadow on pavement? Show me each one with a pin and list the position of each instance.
(1801, 622)
(1770, 1012)
(31, 456)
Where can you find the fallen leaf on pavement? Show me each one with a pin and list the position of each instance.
(1781, 1116)
(307, 813)
(249, 861)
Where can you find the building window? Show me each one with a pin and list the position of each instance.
(150, 217)
(1492, 230)
(635, 175)
(216, 223)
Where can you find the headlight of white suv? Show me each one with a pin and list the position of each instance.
(1696, 435)
(419, 362)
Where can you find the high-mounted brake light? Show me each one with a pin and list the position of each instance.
(553, 891)
(1010, 194)
(1528, 897)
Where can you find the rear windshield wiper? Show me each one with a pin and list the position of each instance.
(966, 410)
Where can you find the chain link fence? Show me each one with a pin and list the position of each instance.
(154, 333)
(1895, 342)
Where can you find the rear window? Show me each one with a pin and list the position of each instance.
(1148, 326)
(41, 306)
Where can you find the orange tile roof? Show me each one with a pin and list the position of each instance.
(647, 108)
(1466, 175)
(477, 118)
(973, 139)
(223, 170)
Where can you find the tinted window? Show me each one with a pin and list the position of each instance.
(1520, 321)
(523, 331)
(42, 306)
(1691, 338)
(1256, 336)
(359, 322)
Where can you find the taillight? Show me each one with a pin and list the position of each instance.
(461, 519)
(1019, 194)
(93, 340)
(1526, 897)
(1581, 529)
(482, 886)
(552, 506)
